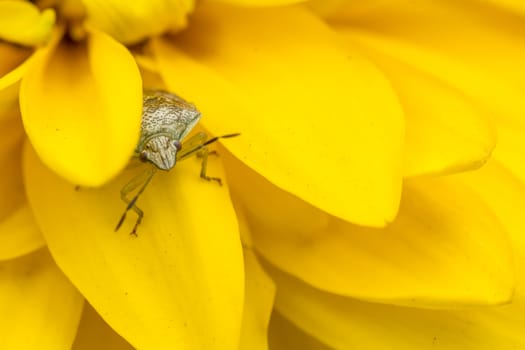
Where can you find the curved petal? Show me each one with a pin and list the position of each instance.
(345, 323)
(12, 56)
(316, 121)
(511, 147)
(325, 7)
(179, 283)
(479, 51)
(515, 6)
(19, 234)
(446, 247)
(258, 304)
(93, 333)
(40, 307)
(284, 335)
(81, 107)
(22, 22)
(257, 3)
(446, 131)
(131, 22)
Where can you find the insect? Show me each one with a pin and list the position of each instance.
(166, 121)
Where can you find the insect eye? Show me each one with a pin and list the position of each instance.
(177, 145)
(143, 156)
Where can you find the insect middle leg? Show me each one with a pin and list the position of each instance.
(197, 146)
(203, 154)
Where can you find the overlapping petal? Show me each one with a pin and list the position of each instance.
(479, 51)
(345, 323)
(81, 107)
(258, 304)
(11, 136)
(132, 21)
(446, 248)
(22, 22)
(446, 131)
(40, 308)
(94, 333)
(178, 284)
(12, 56)
(257, 3)
(284, 335)
(348, 323)
(307, 109)
(513, 6)
(19, 234)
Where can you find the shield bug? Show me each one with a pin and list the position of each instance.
(166, 121)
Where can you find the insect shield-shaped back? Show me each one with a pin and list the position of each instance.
(166, 120)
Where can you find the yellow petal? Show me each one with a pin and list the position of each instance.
(81, 106)
(93, 333)
(178, 284)
(316, 121)
(446, 248)
(22, 22)
(258, 304)
(284, 335)
(133, 21)
(479, 51)
(40, 307)
(345, 323)
(256, 3)
(19, 234)
(511, 146)
(12, 56)
(11, 136)
(516, 6)
(446, 131)
(325, 7)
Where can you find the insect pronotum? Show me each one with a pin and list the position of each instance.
(166, 121)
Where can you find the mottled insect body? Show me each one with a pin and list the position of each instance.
(166, 120)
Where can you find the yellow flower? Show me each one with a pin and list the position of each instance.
(350, 114)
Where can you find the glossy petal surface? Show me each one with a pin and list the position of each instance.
(446, 248)
(256, 3)
(179, 283)
(19, 234)
(446, 130)
(307, 110)
(39, 307)
(258, 304)
(93, 333)
(479, 52)
(21, 22)
(81, 107)
(132, 21)
(348, 323)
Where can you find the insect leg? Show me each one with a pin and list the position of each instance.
(197, 145)
(203, 154)
(144, 179)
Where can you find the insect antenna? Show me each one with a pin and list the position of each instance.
(216, 138)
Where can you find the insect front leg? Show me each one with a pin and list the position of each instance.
(142, 179)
